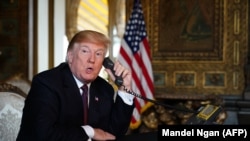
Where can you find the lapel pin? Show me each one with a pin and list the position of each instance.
(96, 99)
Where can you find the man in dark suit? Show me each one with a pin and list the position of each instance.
(54, 110)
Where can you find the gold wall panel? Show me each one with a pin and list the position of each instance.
(208, 39)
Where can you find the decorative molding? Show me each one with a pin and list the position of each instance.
(184, 79)
(160, 79)
(214, 79)
(71, 17)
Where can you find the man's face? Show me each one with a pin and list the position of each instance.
(85, 60)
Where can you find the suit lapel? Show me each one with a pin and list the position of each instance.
(94, 104)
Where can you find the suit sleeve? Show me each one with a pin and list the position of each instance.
(121, 117)
(41, 114)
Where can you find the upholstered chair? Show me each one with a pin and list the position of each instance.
(11, 106)
(20, 82)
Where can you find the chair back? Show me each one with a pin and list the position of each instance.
(11, 106)
(20, 82)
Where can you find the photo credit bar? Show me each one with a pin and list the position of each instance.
(204, 132)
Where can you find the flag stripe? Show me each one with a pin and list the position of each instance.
(135, 55)
(124, 53)
(144, 67)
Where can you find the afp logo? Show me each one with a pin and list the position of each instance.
(234, 133)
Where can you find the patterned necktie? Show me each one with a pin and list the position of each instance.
(85, 102)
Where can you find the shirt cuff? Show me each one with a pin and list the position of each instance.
(126, 97)
(89, 130)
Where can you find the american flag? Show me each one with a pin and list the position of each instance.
(135, 54)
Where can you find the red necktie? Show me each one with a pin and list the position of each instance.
(85, 102)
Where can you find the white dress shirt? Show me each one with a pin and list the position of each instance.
(127, 98)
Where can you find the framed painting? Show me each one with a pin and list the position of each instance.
(188, 30)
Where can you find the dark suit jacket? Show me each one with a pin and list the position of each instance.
(53, 108)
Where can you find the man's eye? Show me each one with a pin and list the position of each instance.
(99, 53)
(85, 51)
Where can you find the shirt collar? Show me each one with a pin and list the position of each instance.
(79, 83)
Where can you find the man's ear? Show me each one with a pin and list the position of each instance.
(69, 56)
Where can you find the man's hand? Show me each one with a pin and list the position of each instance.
(124, 73)
(101, 135)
